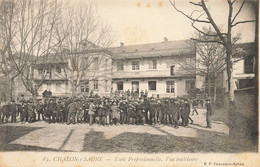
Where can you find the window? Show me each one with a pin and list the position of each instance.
(135, 65)
(58, 86)
(95, 60)
(152, 64)
(58, 69)
(189, 85)
(245, 83)
(120, 85)
(40, 71)
(49, 73)
(172, 70)
(249, 65)
(84, 87)
(120, 65)
(135, 86)
(49, 86)
(169, 86)
(95, 85)
(152, 85)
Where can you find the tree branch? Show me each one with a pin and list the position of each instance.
(237, 11)
(189, 17)
(240, 22)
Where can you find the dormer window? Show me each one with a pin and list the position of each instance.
(135, 65)
(152, 64)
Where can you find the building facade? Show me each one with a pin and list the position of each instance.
(71, 75)
(154, 68)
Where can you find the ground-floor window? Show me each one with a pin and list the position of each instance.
(120, 85)
(189, 85)
(152, 85)
(169, 86)
(246, 83)
(58, 86)
(135, 86)
(49, 86)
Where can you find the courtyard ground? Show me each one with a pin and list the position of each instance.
(40, 136)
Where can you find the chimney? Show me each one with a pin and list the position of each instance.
(165, 39)
(121, 44)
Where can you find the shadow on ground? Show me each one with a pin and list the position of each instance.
(148, 143)
(11, 133)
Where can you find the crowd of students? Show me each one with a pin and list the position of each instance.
(103, 111)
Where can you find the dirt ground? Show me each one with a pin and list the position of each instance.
(40, 136)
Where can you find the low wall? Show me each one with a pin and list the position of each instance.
(243, 122)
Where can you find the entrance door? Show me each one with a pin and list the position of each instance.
(135, 86)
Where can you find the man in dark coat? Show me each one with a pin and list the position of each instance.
(185, 113)
(71, 113)
(60, 113)
(23, 112)
(14, 112)
(123, 111)
(31, 113)
(6, 112)
(194, 105)
(40, 110)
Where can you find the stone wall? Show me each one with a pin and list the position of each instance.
(243, 122)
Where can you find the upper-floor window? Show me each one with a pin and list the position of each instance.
(135, 65)
(95, 85)
(49, 73)
(84, 87)
(120, 65)
(95, 63)
(249, 64)
(172, 70)
(152, 64)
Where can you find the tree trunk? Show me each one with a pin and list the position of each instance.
(215, 91)
(34, 98)
(208, 80)
(11, 89)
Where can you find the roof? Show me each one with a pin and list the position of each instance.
(55, 58)
(244, 49)
(166, 48)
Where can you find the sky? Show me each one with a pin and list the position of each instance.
(148, 21)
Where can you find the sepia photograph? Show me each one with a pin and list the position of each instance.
(129, 77)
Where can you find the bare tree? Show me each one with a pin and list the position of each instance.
(85, 45)
(209, 61)
(32, 36)
(7, 32)
(202, 15)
